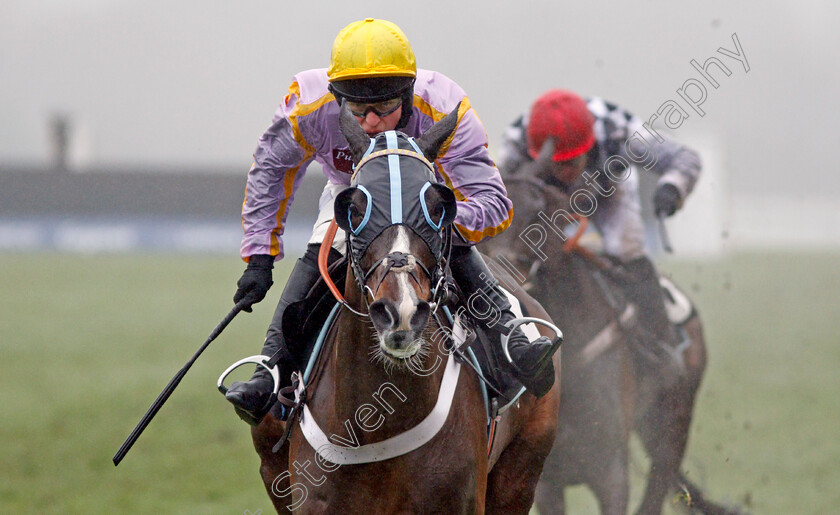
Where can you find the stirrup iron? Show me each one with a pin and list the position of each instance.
(516, 322)
(260, 360)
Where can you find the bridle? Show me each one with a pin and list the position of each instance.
(398, 262)
(402, 262)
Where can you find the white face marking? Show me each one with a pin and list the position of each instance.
(408, 298)
(401, 242)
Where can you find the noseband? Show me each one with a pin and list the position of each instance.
(401, 262)
(397, 262)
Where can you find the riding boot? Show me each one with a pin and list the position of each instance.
(643, 288)
(532, 361)
(251, 399)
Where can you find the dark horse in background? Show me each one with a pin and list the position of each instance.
(610, 387)
(377, 379)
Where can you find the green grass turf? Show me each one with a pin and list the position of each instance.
(87, 343)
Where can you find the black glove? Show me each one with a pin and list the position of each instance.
(666, 200)
(255, 281)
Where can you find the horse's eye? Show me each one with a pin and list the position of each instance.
(356, 214)
(437, 214)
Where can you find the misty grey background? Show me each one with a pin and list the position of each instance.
(151, 85)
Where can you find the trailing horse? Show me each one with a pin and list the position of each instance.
(407, 426)
(615, 380)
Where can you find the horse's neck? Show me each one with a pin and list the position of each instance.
(583, 305)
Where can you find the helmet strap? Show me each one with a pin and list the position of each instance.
(407, 106)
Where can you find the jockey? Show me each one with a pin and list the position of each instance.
(372, 69)
(579, 144)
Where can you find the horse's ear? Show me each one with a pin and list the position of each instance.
(356, 136)
(441, 204)
(431, 140)
(349, 209)
(541, 166)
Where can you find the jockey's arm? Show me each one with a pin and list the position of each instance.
(275, 175)
(676, 164)
(484, 209)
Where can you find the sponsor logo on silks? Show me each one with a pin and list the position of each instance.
(343, 160)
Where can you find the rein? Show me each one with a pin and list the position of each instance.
(323, 254)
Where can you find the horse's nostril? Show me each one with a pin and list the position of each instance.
(383, 315)
(420, 317)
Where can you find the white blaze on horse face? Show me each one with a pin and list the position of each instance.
(408, 298)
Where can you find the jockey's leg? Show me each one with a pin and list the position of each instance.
(643, 288)
(250, 398)
(532, 363)
(622, 228)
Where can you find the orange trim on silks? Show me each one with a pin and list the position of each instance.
(437, 116)
(303, 110)
(488, 232)
(458, 195)
(309, 151)
(288, 186)
(462, 110)
(244, 201)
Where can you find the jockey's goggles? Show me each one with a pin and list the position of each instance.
(380, 109)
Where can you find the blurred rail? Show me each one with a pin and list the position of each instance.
(118, 210)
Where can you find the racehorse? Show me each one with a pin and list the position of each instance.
(611, 385)
(382, 374)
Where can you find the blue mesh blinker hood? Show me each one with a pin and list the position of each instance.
(399, 187)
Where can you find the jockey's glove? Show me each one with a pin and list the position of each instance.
(255, 281)
(666, 200)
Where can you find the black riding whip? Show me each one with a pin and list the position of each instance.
(173, 383)
(663, 234)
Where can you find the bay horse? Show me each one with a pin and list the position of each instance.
(606, 393)
(381, 375)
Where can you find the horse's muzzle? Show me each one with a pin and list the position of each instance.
(399, 333)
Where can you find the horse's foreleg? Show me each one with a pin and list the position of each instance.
(664, 429)
(613, 489)
(513, 480)
(549, 498)
(664, 434)
(273, 466)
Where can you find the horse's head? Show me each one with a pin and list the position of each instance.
(395, 214)
(529, 241)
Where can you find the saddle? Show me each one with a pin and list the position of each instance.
(612, 277)
(483, 353)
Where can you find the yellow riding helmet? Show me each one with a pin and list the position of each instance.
(371, 48)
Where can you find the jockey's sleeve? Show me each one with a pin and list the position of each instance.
(280, 162)
(675, 163)
(484, 209)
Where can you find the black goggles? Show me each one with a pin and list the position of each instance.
(380, 109)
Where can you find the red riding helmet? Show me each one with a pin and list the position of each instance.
(561, 115)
